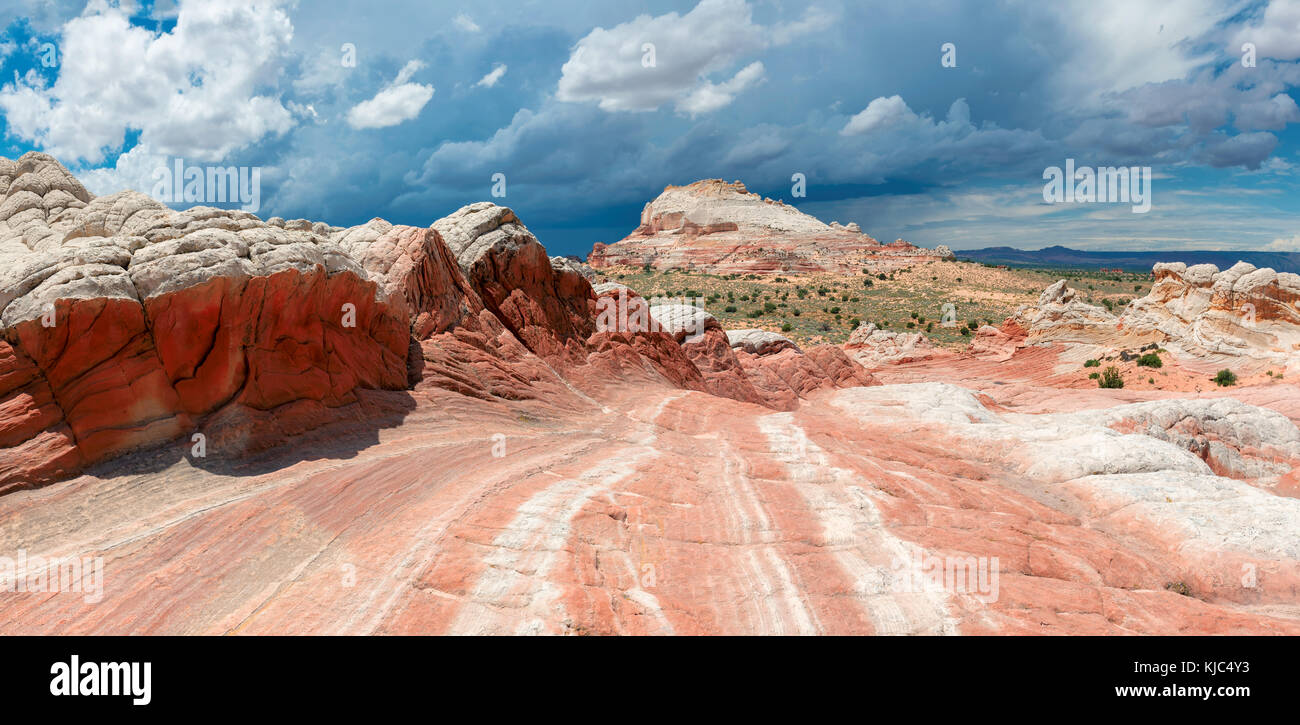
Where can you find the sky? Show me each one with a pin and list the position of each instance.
(929, 120)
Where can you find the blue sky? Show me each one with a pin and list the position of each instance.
(557, 96)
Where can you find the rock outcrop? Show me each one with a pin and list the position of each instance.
(717, 227)
(1241, 315)
(874, 347)
(759, 342)
(127, 324)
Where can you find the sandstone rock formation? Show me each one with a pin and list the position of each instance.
(127, 325)
(720, 228)
(874, 347)
(477, 446)
(1240, 316)
(759, 342)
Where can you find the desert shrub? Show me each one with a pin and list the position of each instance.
(730, 308)
(835, 310)
(1111, 378)
(795, 311)
(910, 324)
(1225, 378)
(756, 312)
(1150, 360)
(769, 307)
(786, 327)
(1092, 364)
(965, 332)
(1093, 376)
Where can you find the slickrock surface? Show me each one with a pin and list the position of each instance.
(717, 227)
(656, 511)
(486, 452)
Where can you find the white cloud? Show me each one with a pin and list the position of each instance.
(191, 92)
(401, 101)
(466, 23)
(491, 79)
(1283, 244)
(133, 171)
(1277, 35)
(881, 113)
(609, 66)
(708, 97)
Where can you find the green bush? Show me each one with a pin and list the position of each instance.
(1225, 378)
(1093, 376)
(786, 327)
(1111, 378)
(1092, 364)
(1150, 360)
(730, 308)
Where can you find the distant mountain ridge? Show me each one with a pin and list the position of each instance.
(1059, 256)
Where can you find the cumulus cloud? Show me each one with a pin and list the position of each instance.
(491, 78)
(614, 67)
(132, 171)
(401, 101)
(1275, 34)
(1244, 149)
(881, 113)
(1285, 244)
(195, 91)
(709, 97)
